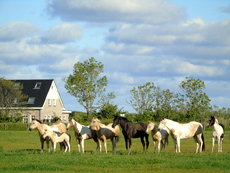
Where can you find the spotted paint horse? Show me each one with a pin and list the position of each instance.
(58, 127)
(180, 131)
(217, 132)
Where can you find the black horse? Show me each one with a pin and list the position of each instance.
(132, 130)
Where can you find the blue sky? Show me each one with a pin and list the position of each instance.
(137, 41)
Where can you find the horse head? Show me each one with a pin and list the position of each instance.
(116, 121)
(70, 123)
(34, 124)
(211, 121)
(162, 124)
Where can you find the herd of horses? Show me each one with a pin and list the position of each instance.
(57, 133)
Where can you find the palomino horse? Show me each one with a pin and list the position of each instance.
(58, 127)
(105, 132)
(132, 130)
(158, 136)
(57, 137)
(82, 133)
(184, 131)
(217, 132)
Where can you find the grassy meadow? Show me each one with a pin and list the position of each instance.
(20, 152)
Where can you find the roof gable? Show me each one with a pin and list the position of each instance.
(37, 89)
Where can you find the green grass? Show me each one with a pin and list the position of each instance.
(20, 152)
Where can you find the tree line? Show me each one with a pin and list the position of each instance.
(88, 84)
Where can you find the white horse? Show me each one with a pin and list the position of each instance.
(217, 132)
(158, 136)
(184, 131)
(82, 133)
(57, 137)
(105, 132)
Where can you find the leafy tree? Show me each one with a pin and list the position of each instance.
(143, 98)
(11, 96)
(107, 108)
(196, 100)
(85, 83)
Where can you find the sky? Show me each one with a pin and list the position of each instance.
(137, 41)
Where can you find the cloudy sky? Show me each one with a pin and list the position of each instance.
(138, 41)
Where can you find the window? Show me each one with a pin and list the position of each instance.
(31, 100)
(38, 85)
(32, 117)
(45, 117)
(49, 102)
(60, 117)
(25, 119)
(54, 102)
(49, 118)
(64, 118)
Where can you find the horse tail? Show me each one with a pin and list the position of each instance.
(203, 146)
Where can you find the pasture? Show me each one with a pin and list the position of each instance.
(20, 151)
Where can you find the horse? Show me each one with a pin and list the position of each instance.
(180, 131)
(132, 130)
(217, 132)
(158, 136)
(82, 133)
(105, 132)
(58, 127)
(57, 137)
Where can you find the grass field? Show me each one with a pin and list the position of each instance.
(20, 152)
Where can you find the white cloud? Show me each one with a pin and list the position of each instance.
(63, 33)
(17, 30)
(132, 11)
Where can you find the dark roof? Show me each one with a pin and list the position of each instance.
(38, 93)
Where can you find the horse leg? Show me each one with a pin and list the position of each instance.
(159, 145)
(130, 146)
(221, 142)
(47, 143)
(78, 145)
(143, 143)
(66, 145)
(55, 146)
(178, 144)
(114, 144)
(197, 143)
(154, 145)
(147, 142)
(126, 143)
(218, 139)
(213, 142)
(175, 144)
(82, 145)
(105, 144)
(42, 144)
(99, 141)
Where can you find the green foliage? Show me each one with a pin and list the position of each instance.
(143, 98)
(85, 83)
(11, 96)
(195, 99)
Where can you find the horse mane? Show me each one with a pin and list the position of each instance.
(37, 121)
(124, 118)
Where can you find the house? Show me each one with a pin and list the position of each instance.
(44, 102)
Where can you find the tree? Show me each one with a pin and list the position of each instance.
(10, 97)
(142, 98)
(196, 100)
(85, 83)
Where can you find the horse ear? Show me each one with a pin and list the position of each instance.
(162, 118)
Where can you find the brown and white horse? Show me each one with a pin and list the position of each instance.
(57, 137)
(158, 136)
(217, 132)
(105, 132)
(58, 127)
(82, 133)
(184, 131)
